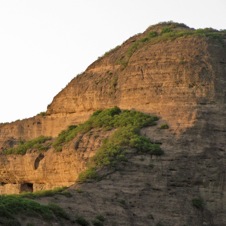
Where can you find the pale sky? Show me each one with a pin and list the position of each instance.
(46, 43)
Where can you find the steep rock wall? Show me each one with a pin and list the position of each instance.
(181, 80)
(36, 171)
(176, 79)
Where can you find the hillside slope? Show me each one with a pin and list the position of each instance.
(170, 70)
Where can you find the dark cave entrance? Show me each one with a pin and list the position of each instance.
(26, 187)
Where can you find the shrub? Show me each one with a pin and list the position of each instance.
(169, 31)
(58, 211)
(96, 222)
(40, 143)
(107, 119)
(12, 205)
(126, 136)
(166, 30)
(152, 34)
(164, 126)
(65, 136)
(198, 203)
(43, 113)
(46, 193)
(82, 221)
(90, 173)
(100, 218)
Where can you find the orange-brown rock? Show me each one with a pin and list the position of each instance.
(42, 171)
(181, 79)
(176, 79)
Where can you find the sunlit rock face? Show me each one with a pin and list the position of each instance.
(182, 80)
(177, 79)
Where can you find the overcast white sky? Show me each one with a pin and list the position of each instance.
(45, 43)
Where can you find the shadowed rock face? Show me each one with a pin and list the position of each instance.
(183, 81)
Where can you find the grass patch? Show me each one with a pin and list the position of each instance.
(46, 193)
(12, 206)
(96, 222)
(90, 173)
(41, 143)
(168, 31)
(58, 211)
(82, 221)
(107, 119)
(43, 113)
(198, 203)
(164, 126)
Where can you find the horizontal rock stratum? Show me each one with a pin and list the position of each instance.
(172, 71)
(174, 77)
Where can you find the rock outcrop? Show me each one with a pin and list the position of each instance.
(171, 77)
(37, 171)
(170, 70)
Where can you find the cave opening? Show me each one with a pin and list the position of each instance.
(26, 187)
(38, 160)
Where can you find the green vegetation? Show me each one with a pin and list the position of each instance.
(58, 211)
(164, 126)
(46, 193)
(12, 206)
(168, 31)
(106, 119)
(111, 50)
(43, 113)
(65, 136)
(98, 221)
(40, 143)
(198, 203)
(100, 218)
(82, 221)
(127, 125)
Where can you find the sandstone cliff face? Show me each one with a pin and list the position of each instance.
(171, 79)
(183, 81)
(174, 79)
(155, 191)
(47, 170)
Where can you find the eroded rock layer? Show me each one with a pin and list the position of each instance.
(36, 171)
(176, 79)
(179, 78)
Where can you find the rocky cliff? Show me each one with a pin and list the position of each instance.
(170, 70)
(169, 74)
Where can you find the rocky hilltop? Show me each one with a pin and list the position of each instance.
(169, 73)
(172, 71)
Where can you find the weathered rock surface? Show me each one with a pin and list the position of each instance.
(42, 171)
(183, 81)
(173, 79)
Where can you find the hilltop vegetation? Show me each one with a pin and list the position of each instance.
(167, 31)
